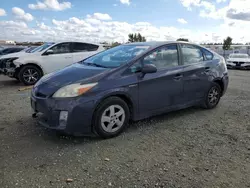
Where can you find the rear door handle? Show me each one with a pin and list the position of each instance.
(68, 57)
(178, 76)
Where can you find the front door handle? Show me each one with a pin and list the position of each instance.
(207, 69)
(178, 77)
(68, 57)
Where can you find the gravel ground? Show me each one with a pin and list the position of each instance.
(187, 148)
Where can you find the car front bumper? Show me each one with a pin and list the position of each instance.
(8, 72)
(79, 114)
(245, 66)
(225, 81)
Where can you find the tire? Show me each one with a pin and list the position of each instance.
(213, 96)
(29, 74)
(107, 124)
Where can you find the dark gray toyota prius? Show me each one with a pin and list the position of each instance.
(102, 93)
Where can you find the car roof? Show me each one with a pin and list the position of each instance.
(76, 41)
(238, 54)
(15, 47)
(154, 44)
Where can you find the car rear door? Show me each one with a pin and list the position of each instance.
(164, 88)
(60, 58)
(196, 71)
(83, 50)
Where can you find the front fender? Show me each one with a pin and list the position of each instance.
(122, 92)
(20, 64)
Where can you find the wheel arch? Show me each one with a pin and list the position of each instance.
(221, 84)
(30, 64)
(122, 95)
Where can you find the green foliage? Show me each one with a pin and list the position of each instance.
(227, 43)
(136, 37)
(114, 44)
(183, 39)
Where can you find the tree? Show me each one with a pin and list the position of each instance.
(183, 39)
(131, 37)
(227, 44)
(114, 44)
(136, 37)
(139, 37)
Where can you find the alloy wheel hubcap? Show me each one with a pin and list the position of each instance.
(113, 118)
(213, 96)
(30, 76)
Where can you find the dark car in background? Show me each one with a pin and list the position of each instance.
(10, 50)
(102, 93)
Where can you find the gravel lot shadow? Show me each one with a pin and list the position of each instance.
(9, 82)
(59, 138)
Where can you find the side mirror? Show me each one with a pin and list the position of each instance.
(49, 52)
(148, 68)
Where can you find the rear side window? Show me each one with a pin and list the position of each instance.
(208, 55)
(84, 47)
(191, 54)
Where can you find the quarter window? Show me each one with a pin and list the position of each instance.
(191, 54)
(61, 48)
(208, 55)
(163, 57)
(84, 47)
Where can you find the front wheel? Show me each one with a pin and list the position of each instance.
(111, 117)
(30, 74)
(213, 96)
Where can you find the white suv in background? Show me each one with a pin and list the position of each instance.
(30, 67)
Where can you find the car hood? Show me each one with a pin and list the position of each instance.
(239, 59)
(17, 54)
(76, 73)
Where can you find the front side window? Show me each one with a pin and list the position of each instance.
(163, 57)
(42, 47)
(191, 54)
(61, 48)
(116, 56)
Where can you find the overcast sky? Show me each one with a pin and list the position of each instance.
(113, 20)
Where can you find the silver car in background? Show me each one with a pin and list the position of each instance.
(238, 61)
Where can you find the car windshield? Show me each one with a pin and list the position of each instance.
(116, 56)
(41, 48)
(239, 56)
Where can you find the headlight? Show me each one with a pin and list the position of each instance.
(9, 61)
(73, 90)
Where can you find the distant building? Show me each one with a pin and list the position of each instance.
(234, 49)
(10, 42)
(7, 42)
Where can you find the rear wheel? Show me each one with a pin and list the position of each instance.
(29, 74)
(111, 117)
(213, 96)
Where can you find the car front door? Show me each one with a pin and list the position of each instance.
(195, 72)
(83, 50)
(164, 88)
(57, 57)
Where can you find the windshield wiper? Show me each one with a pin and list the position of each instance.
(94, 64)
